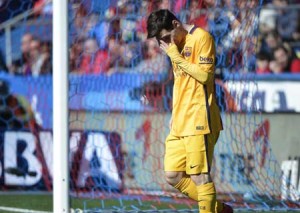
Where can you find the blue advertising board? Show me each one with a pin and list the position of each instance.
(118, 92)
(122, 92)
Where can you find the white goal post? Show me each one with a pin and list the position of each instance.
(60, 107)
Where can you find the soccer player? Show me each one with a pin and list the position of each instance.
(196, 121)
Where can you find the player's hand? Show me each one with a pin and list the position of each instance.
(164, 46)
(168, 41)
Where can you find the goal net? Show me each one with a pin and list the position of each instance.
(116, 141)
(120, 158)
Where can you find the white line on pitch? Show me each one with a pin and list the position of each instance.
(10, 209)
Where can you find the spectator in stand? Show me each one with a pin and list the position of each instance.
(116, 52)
(243, 37)
(287, 20)
(100, 30)
(35, 59)
(46, 51)
(20, 65)
(131, 45)
(262, 63)
(193, 14)
(76, 51)
(284, 61)
(39, 62)
(196, 18)
(270, 42)
(154, 61)
(79, 28)
(222, 20)
(267, 19)
(115, 29)
(128, 21)
(141, 27)
(94, 60)
(131, 54)
(151, 49)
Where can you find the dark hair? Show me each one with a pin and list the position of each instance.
(273, 33)
(262, 55)
(159, 20)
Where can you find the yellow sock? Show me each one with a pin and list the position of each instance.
(207, 198)
(187, 186)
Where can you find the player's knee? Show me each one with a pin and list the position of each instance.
(173, 178)
(201, 179)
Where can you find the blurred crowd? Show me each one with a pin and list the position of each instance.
(279, 37)
(109, 36)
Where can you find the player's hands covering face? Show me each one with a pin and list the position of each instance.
(167, 40)
(164, 46)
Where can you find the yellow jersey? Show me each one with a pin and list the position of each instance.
(195, 110)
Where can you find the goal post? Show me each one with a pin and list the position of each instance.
(60, 107)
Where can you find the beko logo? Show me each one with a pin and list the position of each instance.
(206, 60)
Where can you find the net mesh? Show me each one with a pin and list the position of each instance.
(245, 171)
(116, 141)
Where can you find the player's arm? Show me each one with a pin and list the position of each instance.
(203, 69)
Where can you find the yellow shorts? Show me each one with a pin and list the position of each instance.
(192, 154)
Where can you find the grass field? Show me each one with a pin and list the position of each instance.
(43, 203)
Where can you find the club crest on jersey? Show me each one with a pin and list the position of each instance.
(187, 51)
(206, 60)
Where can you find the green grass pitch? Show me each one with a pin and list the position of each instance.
(43, 202)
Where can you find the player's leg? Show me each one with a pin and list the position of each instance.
(182, 182)
(206, 193)
(175, 165)
(200, 150)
